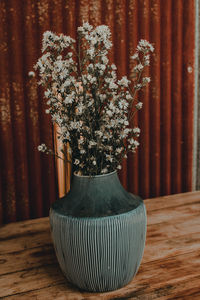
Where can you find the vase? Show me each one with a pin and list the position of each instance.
(99, 231)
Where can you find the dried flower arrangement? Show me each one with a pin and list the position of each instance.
(90, 105)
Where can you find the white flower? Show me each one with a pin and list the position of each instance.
(119, 167)
(77, 161)
(66, 135)
(113, 66)
(47, 93)
(42, 148)
(69, 99)
(87, 26)
(31, 74)
(138, 86)
(99, 133)
(136, 130)
(146, 60)
(124, 81)
(139, 105)
(48, 40)
(133, 142)
(105, 170)
(67, 83)
(123, 104)
(91, 144)
(135, 56)
(91, 52)
(80, 108)
(104, 60)
(81, 140)
(144, 46)
(138, 68)
(128, 96)
(112, 85)
(119, 150)
(109, 113)
(102, 67)
(126, 123)
(91, 102)
(109, 157)
(90, 66)
(146, 80)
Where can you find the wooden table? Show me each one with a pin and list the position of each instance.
(170, 268)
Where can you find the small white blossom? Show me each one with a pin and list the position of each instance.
(146, 80)
(135, 56)
(92, 144)
(123, 104)
(113, 66)
(113, 85)
(145, 46)
(31, 74)
(77, 161)
(139, 105)
(82, 151)
(136, 130)
(138, 68)
(138, 86)
(69, 99)
(124, 81)
(104, 171)
(91, 52)
(109, 113)
(42, 148)
(133, 142)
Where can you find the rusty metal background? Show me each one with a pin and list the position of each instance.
(163, 164)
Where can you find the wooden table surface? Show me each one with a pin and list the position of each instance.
(170, 267)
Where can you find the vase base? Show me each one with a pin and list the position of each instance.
(99, 254)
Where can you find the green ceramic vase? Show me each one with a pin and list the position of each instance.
(98, 230)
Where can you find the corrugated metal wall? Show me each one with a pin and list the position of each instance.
(163, 164)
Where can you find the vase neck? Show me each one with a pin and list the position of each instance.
(99, 195)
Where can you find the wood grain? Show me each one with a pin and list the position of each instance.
(170, 267)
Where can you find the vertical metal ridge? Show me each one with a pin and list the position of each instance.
(176, 108)
(6, 133)
(154, 100)
(188, 75)
(165, 96)
(196, 123)
(144, 150)
(32, 111)
(17, 104)
(108, 19)
(132, 39)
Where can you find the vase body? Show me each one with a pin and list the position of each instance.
(99, 232)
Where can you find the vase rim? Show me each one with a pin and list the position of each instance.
(95, 176)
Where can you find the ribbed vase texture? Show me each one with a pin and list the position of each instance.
(99, 253)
